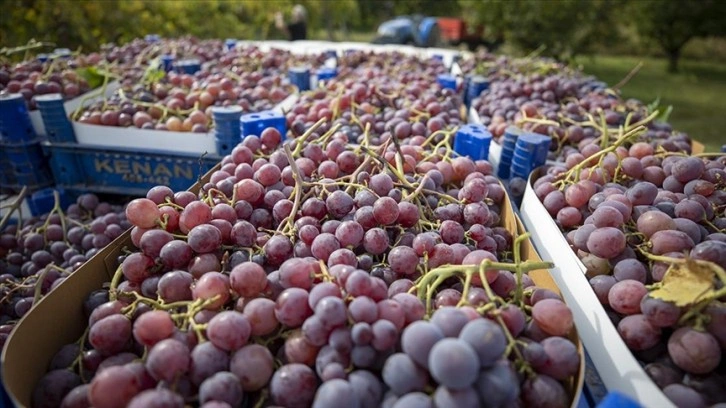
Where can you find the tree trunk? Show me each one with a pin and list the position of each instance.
(328, 23)
(673, 56)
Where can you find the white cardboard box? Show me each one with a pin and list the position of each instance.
(70, 106)
(613, 360)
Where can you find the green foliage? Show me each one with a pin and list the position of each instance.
(696, 93)
(673, 23)
(565, 28)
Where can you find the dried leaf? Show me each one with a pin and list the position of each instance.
(686, 283)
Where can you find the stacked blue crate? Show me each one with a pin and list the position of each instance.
(58, 127)
(254, 123)
(188, 66)
(227, 129)
(324, 74)
(530, 152)
(447, 81)
(474, 86)
(127, 171)
(509, 142)
(22, 163)
(43, 201)
(473, 140)
(300, 77)
(167, 62)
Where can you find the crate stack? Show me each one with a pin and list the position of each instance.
(116, 165)
(22, 162)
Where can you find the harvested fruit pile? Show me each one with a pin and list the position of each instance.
(649, 225)
(355, 259)
(400, 99)
(38, 255)
(307, 282)
(181, 102)
(575, 110)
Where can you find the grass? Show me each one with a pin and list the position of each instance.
(696, 92)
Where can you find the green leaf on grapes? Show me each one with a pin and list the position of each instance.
(93, 75)
(685, 283)
(153, 72)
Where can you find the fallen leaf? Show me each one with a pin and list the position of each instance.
(686, 283)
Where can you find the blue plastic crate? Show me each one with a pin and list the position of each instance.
(523, 158)
(615, 399)
(503, 171)
(475, 85)
(255, 123)
(446, 81)
(23, 165)
(58, 127)
(528, 142)
(227, 131)
(324, 74)
(543, 149)
(124, 171)
(508, 151)
(505, 158)
(189, 66)
(15, 125)
(300, 77)
(473, 140)
(167, 62)
(42, 201)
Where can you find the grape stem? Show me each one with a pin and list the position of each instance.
(288, 222)
(14, 206)
(574, 172)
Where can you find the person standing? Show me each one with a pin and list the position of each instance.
(297, 29)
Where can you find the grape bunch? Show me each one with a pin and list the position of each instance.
(643, 221)
(578, 112)
(38, 255)
(298, 276)
(402, 100)
(182, 102)
(31, 78)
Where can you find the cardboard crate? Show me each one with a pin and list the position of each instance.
(58, 318)
(615, 363)
(160, 140)
(37, 120)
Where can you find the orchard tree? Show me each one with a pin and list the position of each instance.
(565, 28)
(673, 23)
